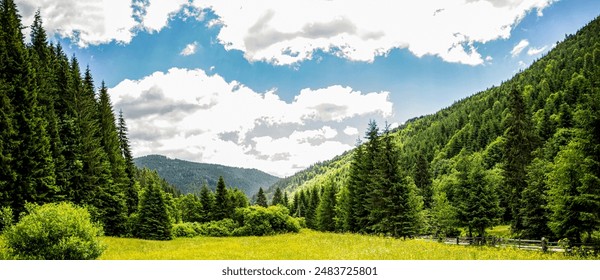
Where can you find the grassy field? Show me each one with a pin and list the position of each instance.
(307, 245)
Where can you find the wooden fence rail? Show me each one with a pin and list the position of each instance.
(525, 244)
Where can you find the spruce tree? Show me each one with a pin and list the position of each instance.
(34, 169)
(261, 198)
(110, 142)
(535, 202)
(131, 192)
(517, 154)
(153, 220)
(355, 209)
(325, 216)
(423, 180)
(207, 200)
(221, 200)
(277, 197)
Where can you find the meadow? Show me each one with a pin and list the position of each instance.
(308, 245)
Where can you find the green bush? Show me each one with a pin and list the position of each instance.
(220, 228)
(258, 220)
(6, 218)
(55, 231)
(186, 230)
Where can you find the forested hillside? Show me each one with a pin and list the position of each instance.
(189, 177)
(525, 153)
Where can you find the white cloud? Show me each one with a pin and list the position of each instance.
(518, 48)
(535, 51)
(349, 130)
(158, 13)
(87, 22)
(284, 32)
(189, 49)
(192, 115)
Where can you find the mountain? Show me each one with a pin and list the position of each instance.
(536, 136)
(189, 176)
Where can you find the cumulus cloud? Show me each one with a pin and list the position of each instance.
(157, 13)
(189, 49)
(192, 115)
(535, 51)
(86, 22)
(518, 48)
(283, 32)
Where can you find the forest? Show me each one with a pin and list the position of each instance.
(525, 154)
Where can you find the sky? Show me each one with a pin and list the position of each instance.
(280, 85)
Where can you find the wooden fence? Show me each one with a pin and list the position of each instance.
(525, 244)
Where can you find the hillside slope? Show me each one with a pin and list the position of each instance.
(189, 177)
(553, 88)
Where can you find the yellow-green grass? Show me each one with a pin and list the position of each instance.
(499, 231)
(308, 245)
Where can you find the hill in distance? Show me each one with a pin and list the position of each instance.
(189, 176)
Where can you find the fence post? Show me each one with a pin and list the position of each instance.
(457, 240)
(544, 245)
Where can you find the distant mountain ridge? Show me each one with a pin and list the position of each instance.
(189, 176)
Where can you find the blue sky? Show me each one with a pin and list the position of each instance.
(279, 85)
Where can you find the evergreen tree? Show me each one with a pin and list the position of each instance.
(131, 192)
(112, 148)
(153, 220)
(207, 200)
(574, 197)
(311, 210)
(34, 169)
(326, 210)
(423, 180)
(517, 153)
(221, 209)
(476, 202)
(261, 199)
(277, 197)
(355, 208)
(286, 201)
(535, 202)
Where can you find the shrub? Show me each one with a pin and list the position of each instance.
(6, 218)
(56, 231)
(186, 230)
(257, 220)
(220, 228)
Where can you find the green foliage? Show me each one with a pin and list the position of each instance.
(326, 209)
(55, 232)
(6, 218)
(153, 221)
(257, 220)
(189, 208)
(261, 198)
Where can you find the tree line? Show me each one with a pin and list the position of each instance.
(525, 153)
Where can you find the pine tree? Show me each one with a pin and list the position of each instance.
(535, 202)
(221, 200)
(207, 200)
(517, 153)
(111, 144)
(261, 199)
(34, 170)
(43, 61)
(423, 180)
(476, 202)
(326, 210)
(277, 197)
(574, 196)
(314, 199)
(131, 192)
(355, 209)
(153, 220)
